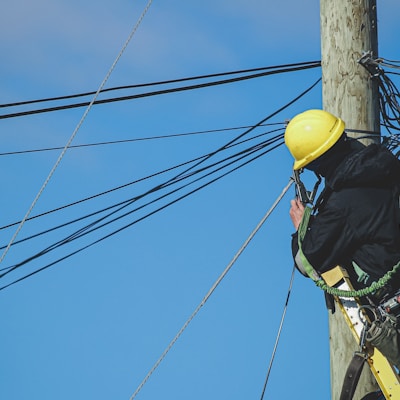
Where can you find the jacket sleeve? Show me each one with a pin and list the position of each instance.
(328, 241)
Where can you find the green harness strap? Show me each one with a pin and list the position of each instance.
(313, 274)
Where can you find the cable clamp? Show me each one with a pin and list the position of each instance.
(371, 64)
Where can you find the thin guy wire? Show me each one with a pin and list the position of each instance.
(279, 333)
(75, 131)
(210, 292)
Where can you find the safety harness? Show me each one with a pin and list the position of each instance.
(384, 332)
(319, 281)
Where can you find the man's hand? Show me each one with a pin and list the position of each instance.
(296, 212)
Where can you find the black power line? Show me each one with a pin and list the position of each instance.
(268, 71)
(98, 224)
(159, 137)
(255, 151)
(117, 88)
(116, 189)
(123, 227)
(200, 159)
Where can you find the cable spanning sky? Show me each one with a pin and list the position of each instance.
(94, 324)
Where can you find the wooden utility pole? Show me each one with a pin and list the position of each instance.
(348, 29)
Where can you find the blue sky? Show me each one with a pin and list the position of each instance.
(92, 326)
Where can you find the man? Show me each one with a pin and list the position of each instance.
(357, 218)
(356, 221)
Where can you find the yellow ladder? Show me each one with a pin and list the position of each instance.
(384, 373)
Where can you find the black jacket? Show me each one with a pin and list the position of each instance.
(359, 218)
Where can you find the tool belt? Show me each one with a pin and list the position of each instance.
(384, 331)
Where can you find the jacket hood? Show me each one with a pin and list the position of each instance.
(373, 166)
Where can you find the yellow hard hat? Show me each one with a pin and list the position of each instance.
(310, 134)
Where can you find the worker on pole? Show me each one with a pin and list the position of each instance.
(355, 222)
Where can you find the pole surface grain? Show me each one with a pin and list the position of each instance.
(348, 29)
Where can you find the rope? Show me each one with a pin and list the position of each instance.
(210, 292)
(361, 292)
(75, 131)
(279, 332)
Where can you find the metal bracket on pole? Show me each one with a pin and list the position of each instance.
(370, 64)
